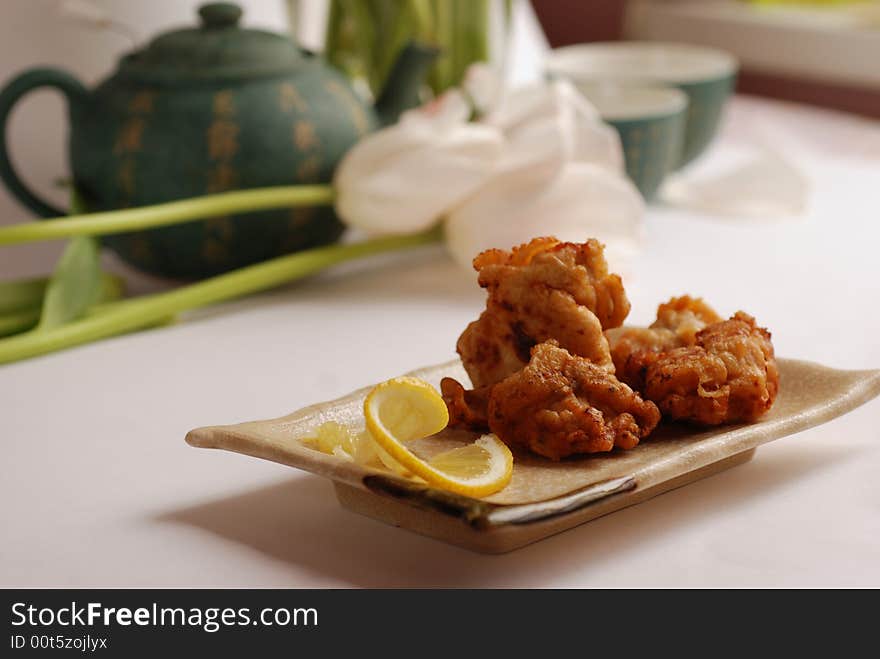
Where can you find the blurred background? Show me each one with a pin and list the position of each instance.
(821, 52)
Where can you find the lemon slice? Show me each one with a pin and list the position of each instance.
(476, 470)
(405, 409)
(347, 443)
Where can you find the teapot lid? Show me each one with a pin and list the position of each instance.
(216, 50)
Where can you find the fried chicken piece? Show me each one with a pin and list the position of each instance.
(728, 375)
(468, 408)
(696, 366)
(561, 404)
(684, 316)
(542, 290)
(491, 348)
(634, 349)
(579, 269)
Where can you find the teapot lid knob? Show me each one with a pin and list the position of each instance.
(220, 14)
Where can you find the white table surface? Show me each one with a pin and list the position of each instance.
(98, 487)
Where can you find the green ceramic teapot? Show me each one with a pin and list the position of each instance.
(204, 110)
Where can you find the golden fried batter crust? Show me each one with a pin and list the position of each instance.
(544, 289)
(728, 375)
(555, 373)
(634, 349)
(468, 408)
(561, 404)
(685, 316)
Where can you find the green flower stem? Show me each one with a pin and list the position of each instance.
(174, 212)
(19, 321)
(143, 312)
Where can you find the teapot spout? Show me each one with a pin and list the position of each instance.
(401, 91)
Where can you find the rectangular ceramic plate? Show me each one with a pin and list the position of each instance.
(543, 497)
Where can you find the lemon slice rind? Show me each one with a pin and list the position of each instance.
(418, 409)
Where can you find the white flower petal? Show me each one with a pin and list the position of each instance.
(583, 201)
(599, 144)
(483, 85)
(539, 162)
(548, 124)
(403, 178)
(445, 112)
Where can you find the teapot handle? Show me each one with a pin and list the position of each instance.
(73, 91)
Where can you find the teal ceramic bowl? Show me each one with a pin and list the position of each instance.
(651, 124)
(706, 75)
